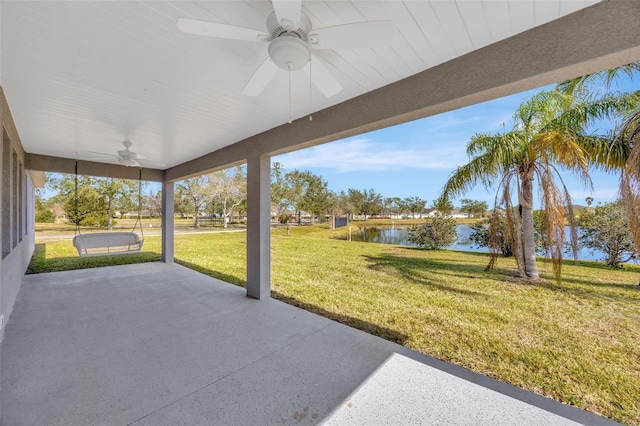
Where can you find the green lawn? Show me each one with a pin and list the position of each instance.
(577, 342)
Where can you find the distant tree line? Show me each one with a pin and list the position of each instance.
(222, 194)
(94, 203)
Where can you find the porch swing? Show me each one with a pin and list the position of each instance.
(108, 243)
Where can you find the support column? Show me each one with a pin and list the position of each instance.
(167, 222)
(258, 226)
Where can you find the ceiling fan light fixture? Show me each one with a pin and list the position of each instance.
(289, 52)
(128, 162)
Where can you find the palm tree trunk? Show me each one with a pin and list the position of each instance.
(528, 240)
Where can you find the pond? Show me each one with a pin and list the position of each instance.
(399, 235)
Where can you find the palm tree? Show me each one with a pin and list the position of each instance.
(629, 134)
(623, 153)
(548, 136)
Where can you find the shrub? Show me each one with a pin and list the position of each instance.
(438, 231)
(479, 236)
(607, 229)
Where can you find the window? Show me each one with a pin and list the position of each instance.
(21, 203)
(6, 194)
(14, 198)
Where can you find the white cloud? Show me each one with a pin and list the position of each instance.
(362, 154)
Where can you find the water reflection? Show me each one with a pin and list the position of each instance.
(399, 235)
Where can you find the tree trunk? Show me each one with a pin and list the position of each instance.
(196, 218)
(109, 215)
(225, 219)
(528, 239)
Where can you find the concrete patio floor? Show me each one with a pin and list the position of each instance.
(159, 344)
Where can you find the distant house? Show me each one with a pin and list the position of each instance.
(456, 214)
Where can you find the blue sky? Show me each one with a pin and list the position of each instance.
(416, 158)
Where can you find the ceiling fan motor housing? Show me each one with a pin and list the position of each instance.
(289, 49)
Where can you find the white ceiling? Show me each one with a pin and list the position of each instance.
(81, 76)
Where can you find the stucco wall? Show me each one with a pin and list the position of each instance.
(17, 211)
(13, 266)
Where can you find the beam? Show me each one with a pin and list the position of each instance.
(598, 37)
(46, 163)
(167, 222)
(258, 227)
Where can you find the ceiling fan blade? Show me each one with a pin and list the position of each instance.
(214, 29)
(322, 78)
(352, 36)
(260, 78)
(288, 13)
(101, 159)
(101, 153)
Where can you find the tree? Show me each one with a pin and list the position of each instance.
(390, 204)
(84, 207)
(442, 206)
(309, 192)
(437, 232)
(88, 209)
(355, 202)
(317, 198)
(607, 230)
(153, 203)
(43, 213)
(118, 192)
(473, 208)
(195, 194)
(623, 152)
(295, 188)
(589, 201)
(548, 135)
(229, 188)
(278, 189)
(371, 203)
(414, 205)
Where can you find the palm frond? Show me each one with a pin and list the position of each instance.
(607, 77)
(560, 147)
(605, 153)
(483, 168)
(495, 243)
(553, 207)
(582, 112)
(630, 178)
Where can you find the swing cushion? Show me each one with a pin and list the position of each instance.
(106, 243)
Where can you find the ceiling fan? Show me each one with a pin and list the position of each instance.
(291, 39)
(125, 156)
